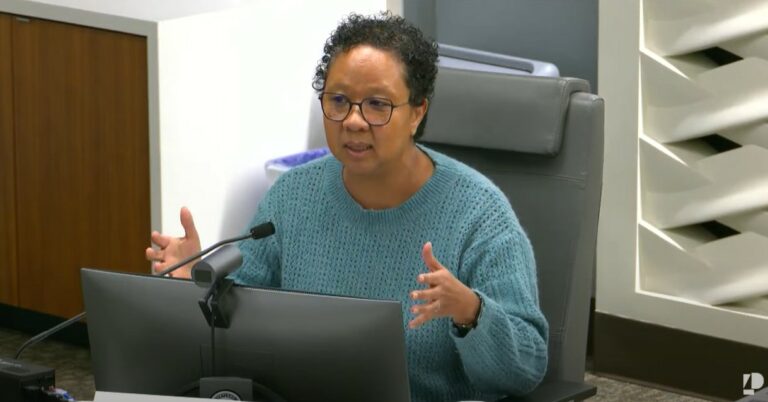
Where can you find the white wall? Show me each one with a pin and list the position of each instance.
(235, 91)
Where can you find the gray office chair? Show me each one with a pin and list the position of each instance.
(540, 139)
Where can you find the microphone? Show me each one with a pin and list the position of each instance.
(263, 230)
(256, 232)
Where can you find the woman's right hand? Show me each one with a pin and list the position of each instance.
(169, 250)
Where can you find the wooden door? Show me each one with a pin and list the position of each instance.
(82, 168)
(8, 284)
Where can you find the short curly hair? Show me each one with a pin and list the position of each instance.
(391, 33)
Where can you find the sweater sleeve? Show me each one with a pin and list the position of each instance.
(261, 258)
(506, 354)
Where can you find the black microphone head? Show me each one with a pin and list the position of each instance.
(263, 230)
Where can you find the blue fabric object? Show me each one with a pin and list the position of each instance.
(291, 161)
(326, 243)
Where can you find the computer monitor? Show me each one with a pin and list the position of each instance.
(148, 335)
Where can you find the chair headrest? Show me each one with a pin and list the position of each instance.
(500, 111)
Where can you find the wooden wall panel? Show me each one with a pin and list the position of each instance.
(80, 97)
(8, 283)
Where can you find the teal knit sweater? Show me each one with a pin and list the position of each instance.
(326, 243)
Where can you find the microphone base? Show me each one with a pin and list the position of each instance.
(22, 382)
(231, 388)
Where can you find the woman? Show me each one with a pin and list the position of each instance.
(387, 218)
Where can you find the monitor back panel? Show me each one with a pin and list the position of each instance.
(148, 335)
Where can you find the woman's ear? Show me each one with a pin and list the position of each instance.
(417, 115)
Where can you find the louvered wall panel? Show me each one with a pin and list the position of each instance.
(703, 232)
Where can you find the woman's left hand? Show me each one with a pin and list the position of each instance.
(446, 296)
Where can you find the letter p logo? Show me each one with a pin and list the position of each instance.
(757, 382)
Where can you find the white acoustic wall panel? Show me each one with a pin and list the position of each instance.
(703, 152)
(675, 27)
(683, 236)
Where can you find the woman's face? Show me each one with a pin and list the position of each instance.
(365, 72)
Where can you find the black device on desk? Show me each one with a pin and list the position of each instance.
(21, 381)
(148, 336)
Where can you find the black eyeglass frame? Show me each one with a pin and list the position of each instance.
(392, 107)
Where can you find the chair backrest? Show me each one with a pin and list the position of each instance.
(540, 139)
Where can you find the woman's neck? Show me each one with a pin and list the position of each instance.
(392, 188)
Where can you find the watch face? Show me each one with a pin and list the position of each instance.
(464, 326)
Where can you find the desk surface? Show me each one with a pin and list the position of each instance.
(102, 396)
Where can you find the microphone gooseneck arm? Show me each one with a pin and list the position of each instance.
(256, 232)
(39, 337)
(200, 254)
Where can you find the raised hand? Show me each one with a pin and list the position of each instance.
(445, 296)
(169, 250)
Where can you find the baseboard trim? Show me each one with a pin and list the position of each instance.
(32, 323)
(675, 359)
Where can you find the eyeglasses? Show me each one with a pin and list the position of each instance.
(375, 111)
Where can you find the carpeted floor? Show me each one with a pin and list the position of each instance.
(73, 372)
(72, 363)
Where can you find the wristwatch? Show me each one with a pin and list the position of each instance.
(464, 328)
